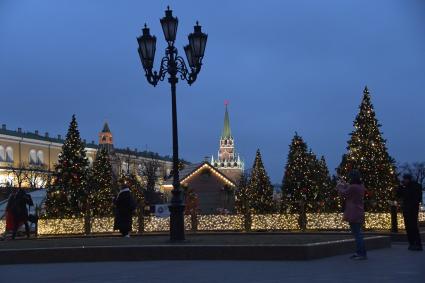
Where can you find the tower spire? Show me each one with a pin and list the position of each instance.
(106, 128)
(228, 161)
(105, 138)
(226, 129)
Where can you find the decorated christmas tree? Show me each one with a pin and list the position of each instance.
(317, 177)
(242, 196)
(367, 152)
(68, 195)
(101, 192)
(260, 189)
(297, 183)
(329, 200)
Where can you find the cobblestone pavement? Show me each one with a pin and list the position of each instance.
(386, 265)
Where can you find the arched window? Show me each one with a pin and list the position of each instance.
(9, 154)
(40, 157)
(33, 157)
(2, 154)
(124, 167)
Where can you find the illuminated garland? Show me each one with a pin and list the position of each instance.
(220, 222)
(275, 222)
(315, 221)
(207, 166)
(326, 221)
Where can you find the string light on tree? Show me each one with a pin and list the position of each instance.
(260, 189)
(68, 195)
(101, 194)
(367, 152)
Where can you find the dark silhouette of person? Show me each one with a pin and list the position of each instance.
(124, 209)
(410, 193)
(17, 207)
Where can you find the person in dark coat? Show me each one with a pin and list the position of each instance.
(18, 212)
(410, 194)
(124, 209)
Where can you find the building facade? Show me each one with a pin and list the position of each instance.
(21, 150)
(214, 182)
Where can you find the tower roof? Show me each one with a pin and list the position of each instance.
(106, 128)
(227, 133)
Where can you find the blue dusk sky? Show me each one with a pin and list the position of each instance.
(285, 66)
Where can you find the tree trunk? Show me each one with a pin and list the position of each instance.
(194, 222)
(247, 222)
(140, 221)
(87, 224)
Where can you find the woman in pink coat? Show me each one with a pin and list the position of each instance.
(353, 195)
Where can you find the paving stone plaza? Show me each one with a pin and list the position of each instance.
(385, 265)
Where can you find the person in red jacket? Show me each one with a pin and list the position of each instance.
(353, 195)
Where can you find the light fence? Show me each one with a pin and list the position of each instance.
(325, 221)
(275, 222)
(60, 226)
(267, 222)
(220, 222)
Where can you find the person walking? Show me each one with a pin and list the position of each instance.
(410, 194)
(353, 195)
(124, 209)
(8, 215)
(17, 212)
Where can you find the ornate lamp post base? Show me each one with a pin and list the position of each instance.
(176, 222)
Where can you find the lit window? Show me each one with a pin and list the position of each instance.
(40, 157)
(2, 154)
(9, 154)
(33, 157)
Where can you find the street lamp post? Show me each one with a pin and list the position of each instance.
(175, 66)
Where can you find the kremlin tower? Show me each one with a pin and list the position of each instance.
(228, 161)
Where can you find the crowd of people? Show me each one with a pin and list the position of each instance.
(352, 192)
(19, 203)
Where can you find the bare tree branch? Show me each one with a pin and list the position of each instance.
(416, 169)
(149, 173)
